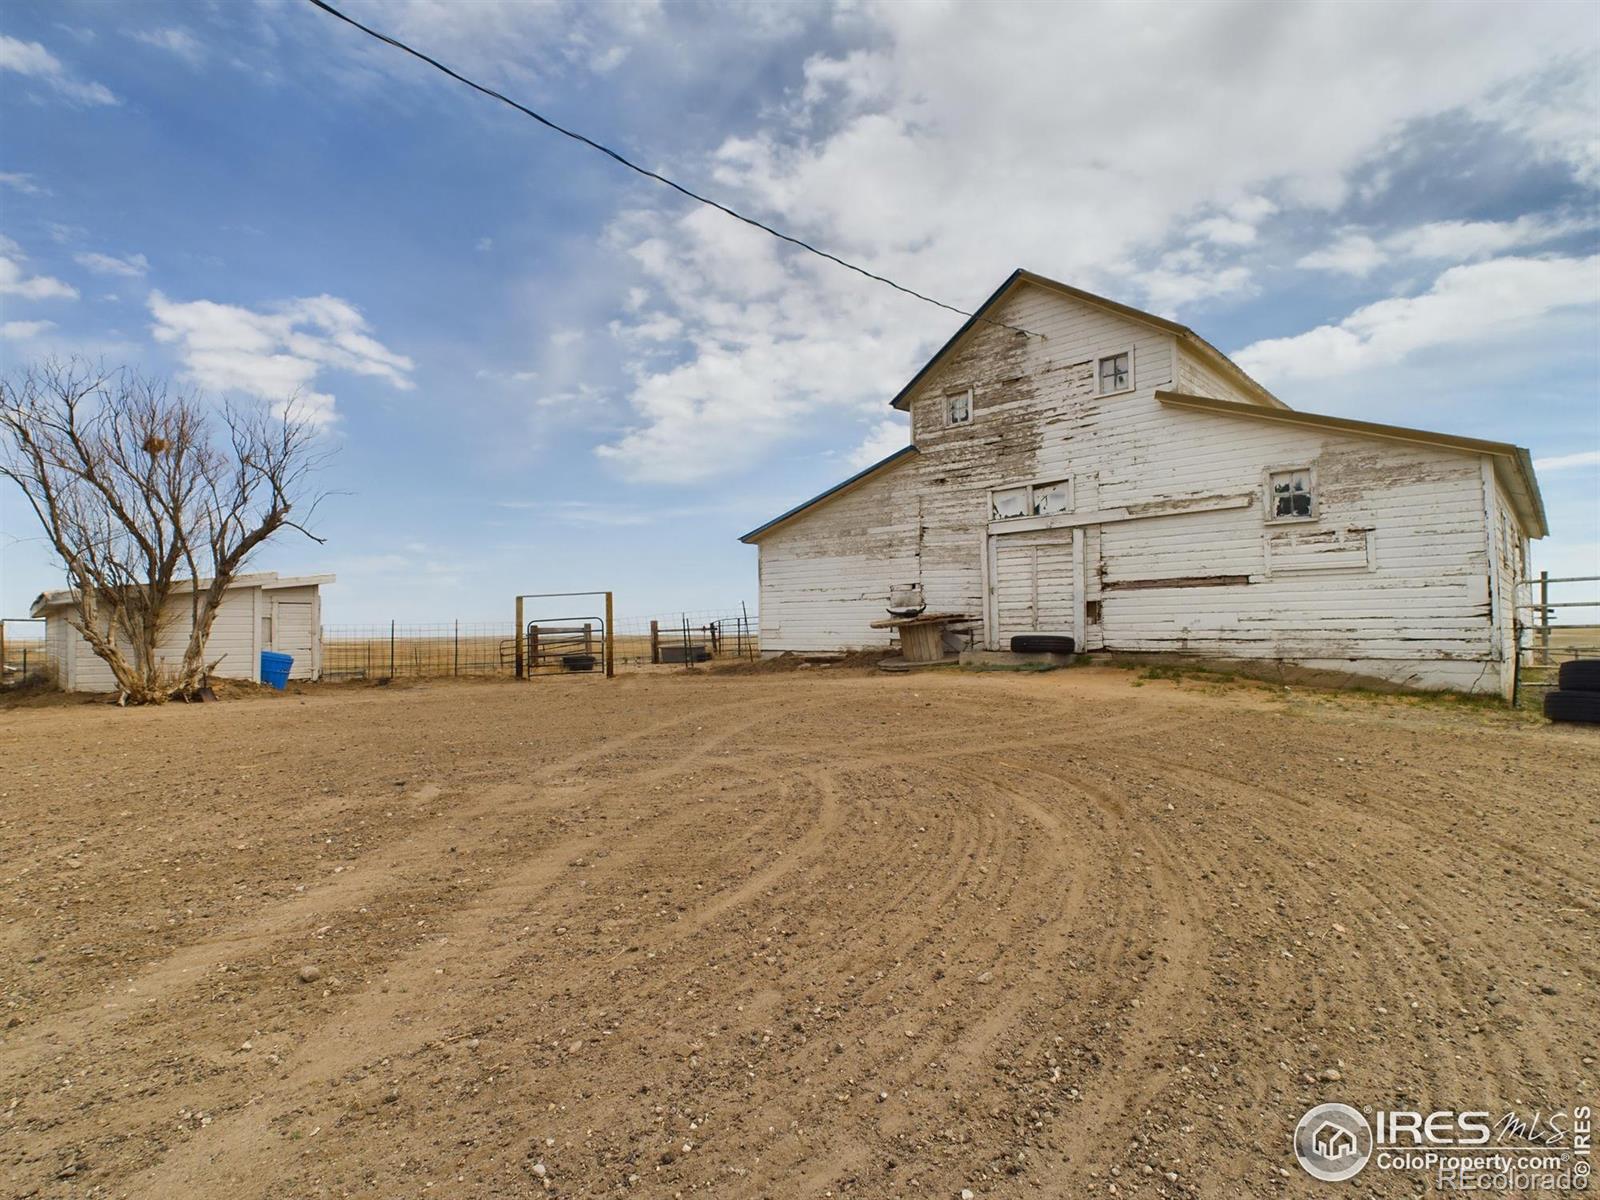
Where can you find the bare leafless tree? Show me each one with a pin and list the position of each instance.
(149, 494)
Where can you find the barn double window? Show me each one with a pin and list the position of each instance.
(1291, 495)
(1031, 500)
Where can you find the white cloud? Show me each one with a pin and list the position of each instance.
(1237, 225)
(21, 331)
(17, 181)
(1464, 241)
(175, 41)
(32, 60)
(608, 60)
(1356, 253)
(882, 440)
(949, 187)
(1465, 304)
(278, 354)
(131, 267)
(1353, 254)
(1566, 462)
(1555, 111)
(1168, 289)
(15, 281)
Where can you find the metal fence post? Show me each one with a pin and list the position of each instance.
(456, 668)
(391, 649)
(1544, 617)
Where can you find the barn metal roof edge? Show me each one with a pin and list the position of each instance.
(844, 485)
(1531, 510)
(1020, 275)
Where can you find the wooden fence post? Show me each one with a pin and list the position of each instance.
(516, 636)
(655, 642)
(611, 642)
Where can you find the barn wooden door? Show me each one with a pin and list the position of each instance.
(1031, 585)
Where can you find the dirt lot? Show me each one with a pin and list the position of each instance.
(800, 935)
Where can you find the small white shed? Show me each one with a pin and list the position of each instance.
(258, 612)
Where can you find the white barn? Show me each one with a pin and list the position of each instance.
(258, 612)
(1111, 475)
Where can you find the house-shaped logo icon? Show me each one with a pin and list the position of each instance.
(1334, 1142)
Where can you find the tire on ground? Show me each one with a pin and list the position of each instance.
(1041, 643)
(1580, 675)
(1573, 706)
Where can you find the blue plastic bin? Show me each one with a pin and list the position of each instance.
(275, 668)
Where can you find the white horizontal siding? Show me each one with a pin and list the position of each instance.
(826, 577)
(232, 641)
(1394, 568)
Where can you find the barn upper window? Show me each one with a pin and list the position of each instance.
(958, 407)
(1051, 498)
(1291, 495)
(1008, 503)
(1116, 373)
(1031, 500)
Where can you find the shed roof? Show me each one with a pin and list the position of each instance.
(838, 489)
(1513, 464)
(266, 580)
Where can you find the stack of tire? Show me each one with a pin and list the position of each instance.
(1577, 694)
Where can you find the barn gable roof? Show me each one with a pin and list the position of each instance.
(1020, 277)
(833, 493)
(1513, 465)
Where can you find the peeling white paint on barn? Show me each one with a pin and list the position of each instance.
(1142, 520)
(258, 612)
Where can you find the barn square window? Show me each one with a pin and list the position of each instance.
(1051, 498)
(1031, 500)
(1115, 372)
(1008, 503)
(958, 407)
(1291, 495)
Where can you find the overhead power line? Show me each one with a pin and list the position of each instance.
(645, 171)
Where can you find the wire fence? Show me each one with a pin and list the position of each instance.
(24, 653)
(551, 642)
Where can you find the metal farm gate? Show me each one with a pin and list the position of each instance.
(1542, 645)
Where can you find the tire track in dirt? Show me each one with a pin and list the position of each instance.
(1377, 897)
(741, 962)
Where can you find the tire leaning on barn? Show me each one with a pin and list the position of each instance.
(1573, 706)
(1041, 643)
(1580, 675)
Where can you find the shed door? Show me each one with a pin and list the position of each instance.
(291, 634)
(1031, 585)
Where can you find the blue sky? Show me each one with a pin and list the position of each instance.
(544, 373)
